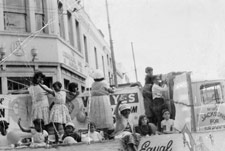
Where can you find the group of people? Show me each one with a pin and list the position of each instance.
(45, 115)
(156, 109)
(156, 120)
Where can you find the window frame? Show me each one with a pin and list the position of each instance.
(211, 93)
(15, 10)
(40, 12)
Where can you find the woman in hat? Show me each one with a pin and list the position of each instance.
(124, 128)
(100, 108)
(40, 108)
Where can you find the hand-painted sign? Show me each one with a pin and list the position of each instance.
(129, 95)
(126, 98)
(210, 117)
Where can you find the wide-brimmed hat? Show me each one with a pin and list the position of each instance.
(70, 124)
(98, 74)
(124, 107)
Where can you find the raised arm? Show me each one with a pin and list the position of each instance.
(22, 129)
(116, 112)
(50, 91)
(164, 88)
(74, 95)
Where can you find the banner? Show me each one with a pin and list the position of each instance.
(210, 117)
(15, 107)
(129, 95)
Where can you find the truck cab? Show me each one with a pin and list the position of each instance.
(199, 104)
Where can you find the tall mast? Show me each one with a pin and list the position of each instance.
(111, 45)
(135, 68)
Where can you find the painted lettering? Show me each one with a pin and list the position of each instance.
(134, 109)
(126, 98)
(146, 146)
(212, 114)
(214, 121)
(131, 97)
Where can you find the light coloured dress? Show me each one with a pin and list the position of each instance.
(40, 104)
(100, 109)
(59, 112)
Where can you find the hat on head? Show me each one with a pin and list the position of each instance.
(98, 74)
(165, 110)
(70, 124)
(124, 107)
(147, 69)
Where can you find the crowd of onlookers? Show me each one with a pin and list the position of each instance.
(103, 124)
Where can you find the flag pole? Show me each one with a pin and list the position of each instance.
(111, 46)
(135, 68)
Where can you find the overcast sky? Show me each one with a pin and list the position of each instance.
(169, 35)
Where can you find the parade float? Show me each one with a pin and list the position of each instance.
(200, 117)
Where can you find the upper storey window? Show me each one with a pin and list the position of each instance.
(15, 15)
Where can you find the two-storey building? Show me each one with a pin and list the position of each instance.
(56, 37)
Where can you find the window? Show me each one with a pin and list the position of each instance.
(18, 83)
(109, 74)
(70, 28)
(15, 15)
(107, 59)
(110, 61)
(103, 65)
(96, 58)
(39, 15)
(82, 89)
(66, 83)
(211, 93)
(60, 17)
(21, 83)
(85, 48)
(78, 35)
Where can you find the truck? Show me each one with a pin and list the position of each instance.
(200, 117)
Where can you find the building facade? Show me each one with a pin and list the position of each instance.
(56, 37)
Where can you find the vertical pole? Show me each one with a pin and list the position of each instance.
(193, 122)
(135, 68)
(111, 45)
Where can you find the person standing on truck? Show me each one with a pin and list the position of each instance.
(158, 100)
(100, 108)
(147, 93)
(40, 107)
(71, 95)
(59, 114)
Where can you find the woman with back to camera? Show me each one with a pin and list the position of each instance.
(100, 108)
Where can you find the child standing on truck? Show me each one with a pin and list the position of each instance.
(167, 125)
(158, 100)
(59, 114)
(71, 95)
(147, 93)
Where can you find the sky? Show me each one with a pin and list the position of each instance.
(168, 35)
